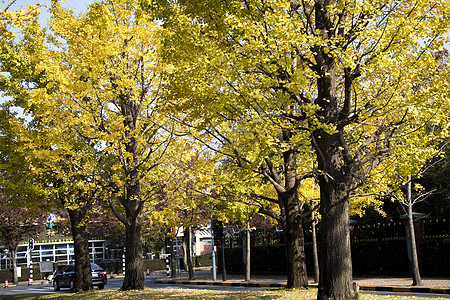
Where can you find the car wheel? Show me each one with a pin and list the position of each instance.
(71, 285)
(101, 286)
(56, 285)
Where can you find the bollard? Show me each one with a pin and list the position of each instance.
(6, 283)
(30, 280)
(167, 267)
(123, 263)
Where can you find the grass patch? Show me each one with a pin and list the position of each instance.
(21, 297)
(192, 294)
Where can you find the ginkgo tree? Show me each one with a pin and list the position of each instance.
(188, 191)
(101, 79)
(10, 19)
(333, 83)
(18, 219)
(269, 184)
(408, 193)
(50, 176)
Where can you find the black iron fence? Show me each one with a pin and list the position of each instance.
(377, 249)
(424, 228)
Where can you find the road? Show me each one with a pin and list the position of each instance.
(115, 284)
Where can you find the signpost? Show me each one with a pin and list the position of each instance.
(45, 267)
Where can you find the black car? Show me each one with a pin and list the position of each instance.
(65, 277)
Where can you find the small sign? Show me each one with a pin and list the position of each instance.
(46, 266)
(19, 271)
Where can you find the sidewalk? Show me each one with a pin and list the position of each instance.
(391, 284)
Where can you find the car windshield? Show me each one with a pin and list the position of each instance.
(68, 268)
(95, 267)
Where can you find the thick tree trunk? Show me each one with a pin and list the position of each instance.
(294, 239)
(335, 278)
(336, 178)
(134, 266)
(83, 275)
(290, 215)
(189, 252)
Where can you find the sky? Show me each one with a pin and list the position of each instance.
(77, 5)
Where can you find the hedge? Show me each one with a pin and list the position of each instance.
(154, 264)
(8, 274)
(202, 261)
(117, 266)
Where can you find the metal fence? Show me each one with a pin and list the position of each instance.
(427, 228)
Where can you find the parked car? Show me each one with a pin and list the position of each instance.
(65, 277)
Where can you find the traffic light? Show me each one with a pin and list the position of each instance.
(218, 231)
(30, 244)
(169, 245)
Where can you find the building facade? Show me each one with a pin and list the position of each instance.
(61, 252)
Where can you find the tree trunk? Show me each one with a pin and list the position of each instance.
(294, 240)
(337, 176)
(83, 275)
(291, 216)
(134, 266)
(14, 265)
(415, 261)
(247, 253)
(315, 253)
(173, 261)
(132, 202)
(335, 278)
(189, 252)
(185, 245)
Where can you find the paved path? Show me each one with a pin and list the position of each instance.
(392, 284)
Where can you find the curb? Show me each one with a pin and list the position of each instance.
(405, 289)
(278, 285)
(220, 283)
(33, 283)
